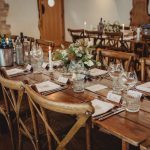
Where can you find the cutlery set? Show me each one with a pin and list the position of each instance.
(109, 113)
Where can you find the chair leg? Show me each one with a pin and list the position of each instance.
(20, 141)
(11, 136)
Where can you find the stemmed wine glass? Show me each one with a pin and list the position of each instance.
(129, 80)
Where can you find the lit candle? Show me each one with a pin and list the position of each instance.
(123, 30)
(50, 58)
(85, 23)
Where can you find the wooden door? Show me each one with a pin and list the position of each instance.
(139, 13)
(51, 21)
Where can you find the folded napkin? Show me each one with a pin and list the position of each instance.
(14, 71)
(96, 87)
(144, 87)
(101, 107)
(47, 86)
(97, 72)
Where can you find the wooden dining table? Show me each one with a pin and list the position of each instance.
(131, 128)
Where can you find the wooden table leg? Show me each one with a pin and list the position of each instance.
(125, 145)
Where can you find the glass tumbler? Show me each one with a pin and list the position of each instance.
(78, 83)
(132, 103)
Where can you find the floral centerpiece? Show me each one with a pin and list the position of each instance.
(77, 55)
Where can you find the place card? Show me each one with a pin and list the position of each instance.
(62, 79)
(28, 67)
(134, 93)
(96, 87)
(101, 106)
(113, 97)
(44, 65)
(97, 72)
(47, 86)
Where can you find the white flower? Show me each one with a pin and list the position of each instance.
(89, 63)
(64, 53)
(90, 43)
(89, 56)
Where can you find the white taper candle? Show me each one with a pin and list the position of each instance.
(50, 58)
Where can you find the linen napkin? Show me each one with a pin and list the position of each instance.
(144, 87)
(97, 72)
(101, 107)
(96, 87)
(46, 86)
(14, 71)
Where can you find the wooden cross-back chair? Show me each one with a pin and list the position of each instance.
(107, 56)
(146, 39)
(113, 40)
(96, 36)
(145, 69)
(39, 105)
(76, 34)
(45, 44)
(13, 93)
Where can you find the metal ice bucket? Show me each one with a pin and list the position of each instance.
(6, 57)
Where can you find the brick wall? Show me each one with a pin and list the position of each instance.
(4, 8)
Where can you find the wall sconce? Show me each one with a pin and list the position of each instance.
(51, 3)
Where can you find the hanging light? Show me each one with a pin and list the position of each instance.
(51, 3)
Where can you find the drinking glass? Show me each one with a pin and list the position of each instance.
(37, 55)
(132, 102)
(78, 83)
(129, 80)
(115, 71)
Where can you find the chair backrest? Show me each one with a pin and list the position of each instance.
(45, 44)
(113, 40)
(107, 56)
(13, 92)
(39, 105)
(146, 40)
(76, 34)
(96, 36)
(145, 69)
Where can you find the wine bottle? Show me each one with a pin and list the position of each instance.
(10, 43)
(21, 37)
(100, 26)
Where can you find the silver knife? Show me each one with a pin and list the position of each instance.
(111, 114)
(106, 113)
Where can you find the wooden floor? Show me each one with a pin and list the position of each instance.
(102, 141)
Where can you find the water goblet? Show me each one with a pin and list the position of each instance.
(115, 71)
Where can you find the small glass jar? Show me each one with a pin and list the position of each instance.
(132, 102)
(78, 83)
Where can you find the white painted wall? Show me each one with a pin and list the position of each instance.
(23, 14)
(23, 17)
(78, 11)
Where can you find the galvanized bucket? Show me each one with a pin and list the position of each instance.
(6, 57)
